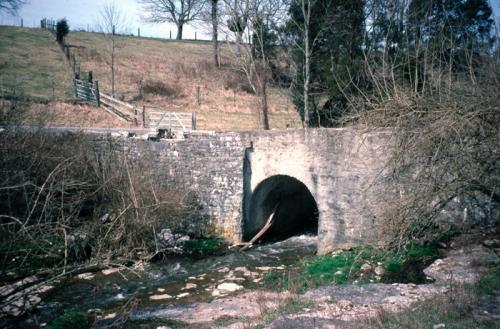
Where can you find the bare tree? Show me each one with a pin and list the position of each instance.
(237, 12)
(11, 6)
(215, 32)
(179, 12)
(253, 56)
(111, 21)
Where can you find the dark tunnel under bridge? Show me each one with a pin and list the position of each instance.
(288, 203)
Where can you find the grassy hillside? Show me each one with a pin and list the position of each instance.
(165, 74)
(31, 62)
(155, 73)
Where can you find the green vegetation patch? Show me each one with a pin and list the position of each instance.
(72, 319)
(491, 282)
(417, 250)
(347, 267)
(205, 246)
(32, 63)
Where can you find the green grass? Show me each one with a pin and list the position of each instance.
(72, 319)
(416, 250)
(205, 246)
(32, 63)
(491, 282)
(345, 267)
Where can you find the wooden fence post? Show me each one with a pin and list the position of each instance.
(198, 98)
(97, 95)
(136, 122)
(22, 23)
(144, 116)
(170, 35)
(193, 120)
(138, 32)
(76, 87)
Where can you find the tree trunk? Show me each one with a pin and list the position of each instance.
(179, 31)
(239, 38)
(264, 107)
(307, 64)
(263, 100)
(215, 25)
(113, 67)
(307, 79)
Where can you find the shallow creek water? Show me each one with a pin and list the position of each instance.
(177, 281)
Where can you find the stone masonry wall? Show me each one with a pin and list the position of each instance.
(339, 167)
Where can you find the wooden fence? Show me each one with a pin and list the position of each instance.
(178, 121)
(48, 24)
(87, 90)
(125, 111)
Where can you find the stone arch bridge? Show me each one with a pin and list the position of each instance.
(322, 180)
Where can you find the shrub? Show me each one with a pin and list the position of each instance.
(160, 88)
(238, 82)
(62, 30)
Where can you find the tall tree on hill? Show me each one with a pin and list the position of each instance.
(450, 29)
(11, 6)
(111, 21)
(238, 12)
(422, 36)
(386, 31)
(253, 57)
(327, 38)
(179, 12)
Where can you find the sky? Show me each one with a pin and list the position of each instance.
(82, 14)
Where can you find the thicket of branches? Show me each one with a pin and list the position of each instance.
(62, 204)
(432, 76)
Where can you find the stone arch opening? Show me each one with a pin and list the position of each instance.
(289, 202)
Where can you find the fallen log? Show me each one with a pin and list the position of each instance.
(262, 231)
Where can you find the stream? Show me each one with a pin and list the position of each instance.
(176, 281)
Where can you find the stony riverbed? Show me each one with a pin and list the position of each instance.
(226, 291)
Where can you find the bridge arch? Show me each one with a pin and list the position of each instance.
(294, 207)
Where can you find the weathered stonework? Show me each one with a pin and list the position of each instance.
(342, 168)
